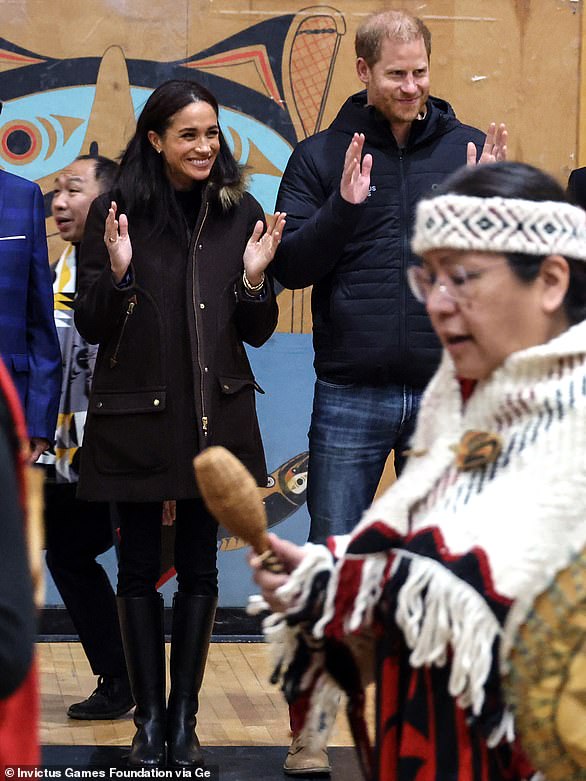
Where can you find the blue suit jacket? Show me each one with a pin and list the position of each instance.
(28, 339)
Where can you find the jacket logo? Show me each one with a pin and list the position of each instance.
(371, 190)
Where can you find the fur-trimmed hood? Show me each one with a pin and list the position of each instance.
(230, 194)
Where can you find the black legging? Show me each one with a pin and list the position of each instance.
(140, 548)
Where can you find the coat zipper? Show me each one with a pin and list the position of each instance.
(204, 417)
(129, 311)
(404, 256)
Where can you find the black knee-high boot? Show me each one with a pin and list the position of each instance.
(193, 619)
(141, 624)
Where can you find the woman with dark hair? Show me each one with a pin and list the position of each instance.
(428, 594)
(172, 281)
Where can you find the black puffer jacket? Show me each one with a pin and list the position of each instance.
(367, 327)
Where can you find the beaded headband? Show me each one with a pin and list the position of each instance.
(505, 225)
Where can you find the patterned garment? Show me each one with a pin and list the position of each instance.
(428, 594)
(79, 359)
(423, 735)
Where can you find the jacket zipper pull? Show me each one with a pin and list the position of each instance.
(204, 425)
(132, 301)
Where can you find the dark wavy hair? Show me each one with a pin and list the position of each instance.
(143, 186)
(519, 180)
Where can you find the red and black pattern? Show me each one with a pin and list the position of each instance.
(471, 567)
(422, 734)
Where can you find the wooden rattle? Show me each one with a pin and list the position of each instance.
(231, 495)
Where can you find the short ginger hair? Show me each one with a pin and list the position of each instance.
(395, 25)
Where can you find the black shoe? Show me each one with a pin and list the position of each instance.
(110, 699)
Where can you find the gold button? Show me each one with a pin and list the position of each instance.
(202, 306)
(156, 402)
(226, 387)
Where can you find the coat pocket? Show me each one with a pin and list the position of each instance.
(235, 425)
(127, 432)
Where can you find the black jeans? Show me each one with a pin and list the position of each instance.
(140, 548)
(76, 532)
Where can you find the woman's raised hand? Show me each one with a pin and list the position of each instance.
(117, 241)
(261, 248)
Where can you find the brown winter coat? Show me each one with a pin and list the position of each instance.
(172, 375)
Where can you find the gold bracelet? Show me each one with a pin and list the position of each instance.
(253, 288)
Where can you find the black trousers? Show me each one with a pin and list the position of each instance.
(140, 548)
(76, 533)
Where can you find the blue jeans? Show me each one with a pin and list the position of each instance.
(353, 430)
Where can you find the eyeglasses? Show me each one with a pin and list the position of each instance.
(457, 284)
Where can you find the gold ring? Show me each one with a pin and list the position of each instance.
(112, 240)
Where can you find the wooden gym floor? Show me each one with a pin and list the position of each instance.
(238, 708)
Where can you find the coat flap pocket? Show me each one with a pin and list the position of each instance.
(128, 403)
(19, 362)
(231, 385)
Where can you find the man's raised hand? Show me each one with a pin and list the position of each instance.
(356, 174)
(495, 146)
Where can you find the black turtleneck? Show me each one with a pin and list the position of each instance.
(190, 202)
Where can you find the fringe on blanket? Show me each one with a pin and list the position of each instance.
(503, 731)
(373, 575)
(284, 636)
(438, 611)
(296, 590)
